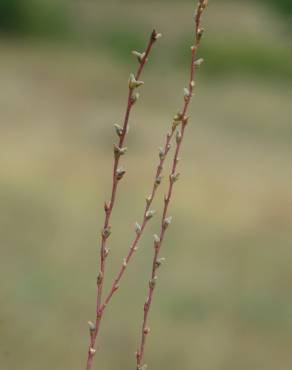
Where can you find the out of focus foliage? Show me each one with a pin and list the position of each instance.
(52, 18)
(33, 17)
(285, 6)
(68, 19)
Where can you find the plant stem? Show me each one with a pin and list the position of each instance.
(173, 176)
(149, 201)
(109, 207)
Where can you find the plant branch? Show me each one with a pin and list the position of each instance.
(182, 120)
(117, 175)
(148, 214)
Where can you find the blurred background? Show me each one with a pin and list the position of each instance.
(224, 299)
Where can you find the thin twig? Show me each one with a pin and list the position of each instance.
(117, 176)
(165, 221)
(148, 214)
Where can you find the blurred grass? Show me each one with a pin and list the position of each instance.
(38, 18)
(224, 293)
(91, 26)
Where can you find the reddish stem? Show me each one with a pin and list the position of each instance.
(158, 243)
(149, 201)
(109, 207)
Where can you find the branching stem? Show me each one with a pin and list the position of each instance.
(158, 240)
(119, 150)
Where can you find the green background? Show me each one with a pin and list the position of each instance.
(223, 300)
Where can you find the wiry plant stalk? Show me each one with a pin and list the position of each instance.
(118, 173)
(181, 119)
(148, 214)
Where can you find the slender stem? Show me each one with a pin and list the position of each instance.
(109, 206)
(172, 178)
(149, 200)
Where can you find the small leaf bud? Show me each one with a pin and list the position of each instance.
(167, 221)
(150, 214)
(148, 199)
(174, 177)
(159, 262)
(156, 35)
(187, 94)
(106, 207)
(161, 153)
(137, 228)
(119, 130)
(91, 326)
(92, 351)
(156, 239)
(120, 173)
(152, 282)
(158, 180)
(178, 117)
(146, 331)
(140, 56)
(119, 151)
(198, 62)
(200, 33)
(106, 232)
(133, 83)
(177, 120)
(135, 97)
(99, 278)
